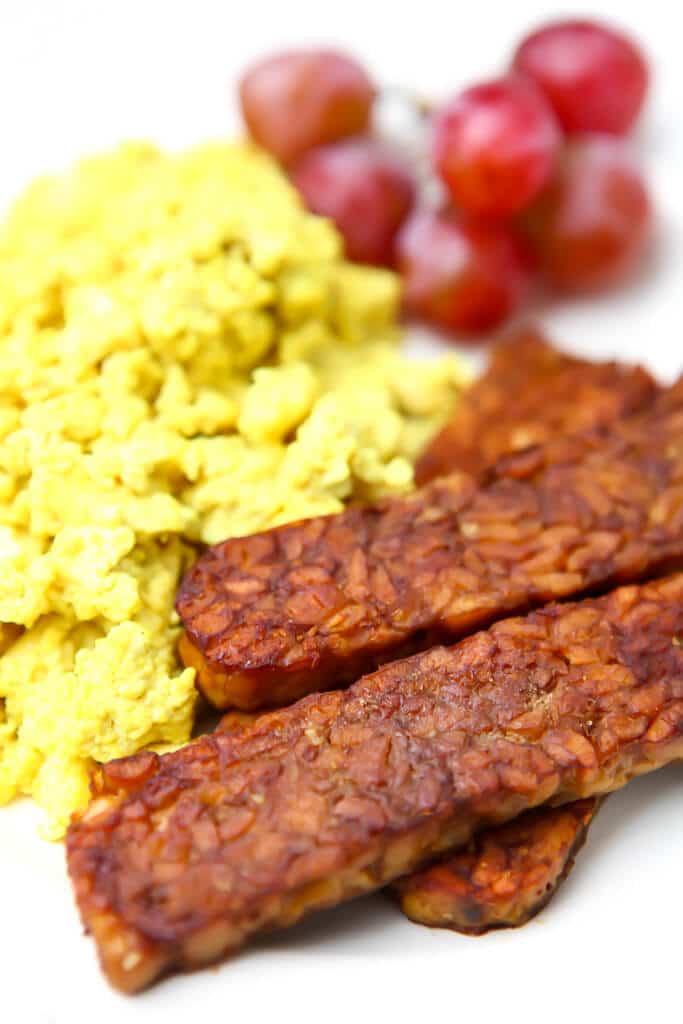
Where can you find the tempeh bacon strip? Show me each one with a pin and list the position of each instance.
(501, 879)
(310, 605)
(531, 393)
(180, 858)
(504, 876)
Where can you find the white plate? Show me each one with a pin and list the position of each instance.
(76, 76)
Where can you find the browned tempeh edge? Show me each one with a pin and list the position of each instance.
(504, 877)
(307, 606)
(181, 858)
(530, 393)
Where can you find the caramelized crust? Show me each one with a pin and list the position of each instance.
(531, 393)
(310, 605)
(181, 857)
(504, 877)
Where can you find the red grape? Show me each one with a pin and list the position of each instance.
(364, 189)
(294, 101)
(462, 275)
(591, 225)
(595, 78)
(496, 145)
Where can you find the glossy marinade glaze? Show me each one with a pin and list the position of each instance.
(181, 858)
(504, 877)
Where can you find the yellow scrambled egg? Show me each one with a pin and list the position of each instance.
(184, 356)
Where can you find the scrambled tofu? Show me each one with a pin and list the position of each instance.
(184, 356)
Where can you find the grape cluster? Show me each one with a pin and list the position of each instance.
(541, 189)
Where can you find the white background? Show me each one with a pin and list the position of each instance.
(76, 76)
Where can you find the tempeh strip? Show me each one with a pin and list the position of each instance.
(504, 877)
(276, 615)
(181, 858)
(531, 393)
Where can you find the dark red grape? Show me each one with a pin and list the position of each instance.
(295, 101)
(464, 276)
(495, 146)
(590, 227)
(364, 189)
(595, 78)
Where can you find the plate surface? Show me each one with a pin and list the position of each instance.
(77, 76)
